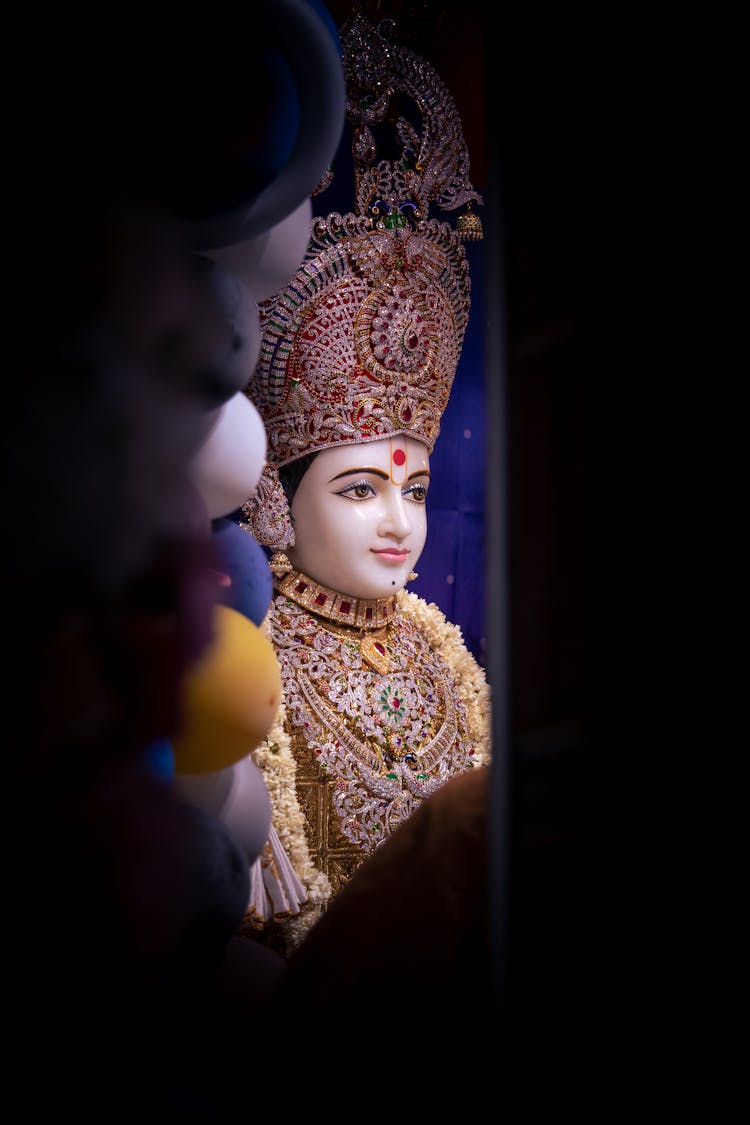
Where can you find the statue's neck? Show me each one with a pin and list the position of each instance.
(360, 613)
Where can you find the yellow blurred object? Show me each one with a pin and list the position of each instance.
(230, 697)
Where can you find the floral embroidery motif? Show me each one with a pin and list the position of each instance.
(392, 702)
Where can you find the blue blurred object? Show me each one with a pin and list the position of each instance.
(274, 126)
(325, 14)
(243, 562)
(160, 758)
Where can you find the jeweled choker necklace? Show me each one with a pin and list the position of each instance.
(360, 613)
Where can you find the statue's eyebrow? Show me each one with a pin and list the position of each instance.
(361, 469)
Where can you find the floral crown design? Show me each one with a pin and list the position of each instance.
(364, 341)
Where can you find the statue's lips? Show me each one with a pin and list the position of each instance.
(391, 555)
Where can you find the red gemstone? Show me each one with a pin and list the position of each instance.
(345, 607)
(368, 613)
(406, 414)
(300, 587)
(380, 648)
(321, 599)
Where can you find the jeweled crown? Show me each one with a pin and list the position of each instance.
(364, 341)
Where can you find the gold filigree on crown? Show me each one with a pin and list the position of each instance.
(381, 78)
(364, 341)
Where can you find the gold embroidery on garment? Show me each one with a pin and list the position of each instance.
(302, 793)
(378, 735)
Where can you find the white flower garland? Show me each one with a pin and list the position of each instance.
(275, 758)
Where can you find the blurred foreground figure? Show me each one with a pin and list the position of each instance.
(121, 900)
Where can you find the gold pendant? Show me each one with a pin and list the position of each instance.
(374, 652)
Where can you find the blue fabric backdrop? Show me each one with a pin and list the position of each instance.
(452, 567)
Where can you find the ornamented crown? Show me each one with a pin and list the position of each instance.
(364, 341)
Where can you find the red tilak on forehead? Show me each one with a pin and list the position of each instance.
(399, 465)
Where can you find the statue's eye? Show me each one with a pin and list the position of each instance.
(360, 490)
(416, 492)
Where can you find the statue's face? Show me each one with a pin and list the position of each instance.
(360, 520)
